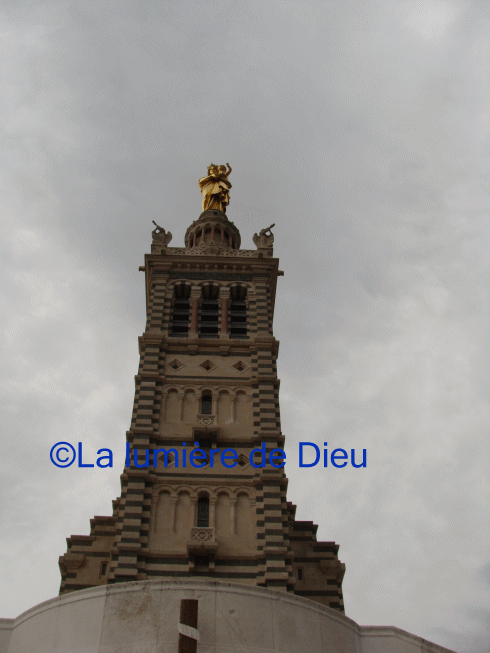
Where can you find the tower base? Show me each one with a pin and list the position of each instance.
(143, 617)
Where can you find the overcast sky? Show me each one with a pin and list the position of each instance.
(362, 130)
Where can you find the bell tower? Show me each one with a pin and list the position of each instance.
(207, 391)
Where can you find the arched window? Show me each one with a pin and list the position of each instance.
(181, 312)
(203, 512)
(238, 312)
(206, 404)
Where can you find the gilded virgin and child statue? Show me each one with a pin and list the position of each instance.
(215, 188)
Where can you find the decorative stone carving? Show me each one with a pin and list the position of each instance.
(200, 534)
(70, 562)
(264, 240)
(206, 420)
(208, 366)
(161, 239)
(241, 367)
(211, 250)
(333, 568)
(176, 365)
(160, 236)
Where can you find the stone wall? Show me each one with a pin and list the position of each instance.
(143, 616)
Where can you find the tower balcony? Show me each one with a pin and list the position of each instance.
(203, 534)
(206, 420)
(203, 540)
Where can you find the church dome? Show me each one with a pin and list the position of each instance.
(213, 228)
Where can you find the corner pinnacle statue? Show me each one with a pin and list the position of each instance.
(215, 188)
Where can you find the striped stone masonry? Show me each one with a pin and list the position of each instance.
(207, 374)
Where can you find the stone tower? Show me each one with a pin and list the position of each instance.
(207, 378)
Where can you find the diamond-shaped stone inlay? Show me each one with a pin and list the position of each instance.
(170, 459)
(176, 365)
(242, 461)
(208, 366)
(241, 367)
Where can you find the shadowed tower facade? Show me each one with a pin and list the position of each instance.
(207, 380)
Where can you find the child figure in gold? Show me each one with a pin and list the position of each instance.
(215, 188)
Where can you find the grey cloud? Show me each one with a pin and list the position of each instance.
(359, 129)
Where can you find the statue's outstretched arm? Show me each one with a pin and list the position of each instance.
(229, 169)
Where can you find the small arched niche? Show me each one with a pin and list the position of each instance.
(223, 515)
(243, 517)
(224, 407)
(183, 515)
(163, 511)
(172, 407)
(242, 408)
(189, 408)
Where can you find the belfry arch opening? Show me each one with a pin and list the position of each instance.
(238, 312)
(181, 311)
(209, 314)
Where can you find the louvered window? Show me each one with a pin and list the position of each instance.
(180, 318)
(238, 319)
(209, 323)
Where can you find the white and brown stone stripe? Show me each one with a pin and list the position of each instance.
(263, 311)
(132, 527)
(168, 302)
(271, 529)
(157, 303)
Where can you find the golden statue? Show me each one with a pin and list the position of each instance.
(215, 188)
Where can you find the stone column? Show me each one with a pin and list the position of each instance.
(233, 516)
(195, 296)
(224, 316)
(163, 405)
(181, 396)
(212, 512)
(224, 297)
(173, 504)
(194, 511)
(154, 511)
